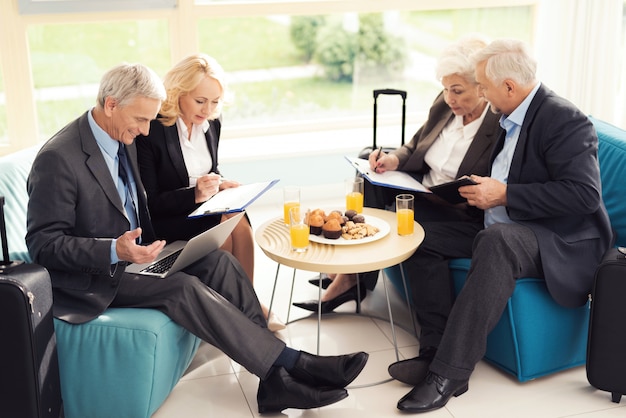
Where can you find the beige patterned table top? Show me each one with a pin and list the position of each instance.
(273, 238)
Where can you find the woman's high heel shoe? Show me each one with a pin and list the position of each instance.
(331, 305)
(326, 281)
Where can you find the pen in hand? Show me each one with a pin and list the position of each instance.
(380, 151)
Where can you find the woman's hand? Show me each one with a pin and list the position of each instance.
(207, 186)
(381, 162)
(227, 184)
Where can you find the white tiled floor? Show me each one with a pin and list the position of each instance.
(214, 386)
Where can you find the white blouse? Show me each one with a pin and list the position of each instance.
(445, 155)
(195, 149)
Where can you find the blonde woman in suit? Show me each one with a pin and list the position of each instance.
(178, 160)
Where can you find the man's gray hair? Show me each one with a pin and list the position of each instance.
(455, 59)
(125, 82)
(508, 59)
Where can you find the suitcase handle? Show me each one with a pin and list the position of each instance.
(390, 92)
(401, 93)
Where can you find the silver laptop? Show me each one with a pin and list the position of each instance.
(180, 254)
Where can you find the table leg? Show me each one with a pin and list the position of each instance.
(393, 328)
(274, 290)
(319, 313)
(408, 301)
(293, 281)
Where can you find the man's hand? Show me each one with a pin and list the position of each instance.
(488, 193)
(128, 250)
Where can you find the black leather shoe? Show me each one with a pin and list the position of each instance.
(331, 305)
(414, 370)
(281, 391)
(433, 393)
(329, 371)
(326, 281)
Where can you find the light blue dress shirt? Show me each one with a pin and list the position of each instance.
(109, 147)
(512, 124)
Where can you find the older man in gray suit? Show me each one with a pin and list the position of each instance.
(88, 218)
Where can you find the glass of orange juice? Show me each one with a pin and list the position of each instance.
(298, 230)
(404, 213)
(291, 199)
(354, 194)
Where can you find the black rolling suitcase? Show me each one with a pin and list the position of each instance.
(29, 370)
(365, 152)
(606, 347)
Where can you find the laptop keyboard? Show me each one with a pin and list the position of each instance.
(164, 264)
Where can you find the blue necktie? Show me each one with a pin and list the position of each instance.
(126, 193)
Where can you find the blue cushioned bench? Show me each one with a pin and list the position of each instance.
(535, 336)
(123, 363)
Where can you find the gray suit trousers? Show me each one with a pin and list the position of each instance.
(502, 253)
(214, 300)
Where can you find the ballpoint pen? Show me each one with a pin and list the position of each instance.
(380, 150)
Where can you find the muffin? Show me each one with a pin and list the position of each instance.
(332, 229)
(358, 219)
(318, 212)
(336, 215)
(315, 224)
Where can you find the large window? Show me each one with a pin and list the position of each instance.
(284, 70)
(293, 65)
(68, 61)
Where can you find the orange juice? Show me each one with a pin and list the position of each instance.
(299, 237)
(286, 207)
(405, 221)
(354, 201)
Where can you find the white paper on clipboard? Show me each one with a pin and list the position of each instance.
(233, 199)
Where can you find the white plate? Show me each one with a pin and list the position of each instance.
(383, 230)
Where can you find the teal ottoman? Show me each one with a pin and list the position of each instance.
(122, 364)
(535, 336)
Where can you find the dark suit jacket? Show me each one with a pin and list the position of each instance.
(476, 160)
(74, 211)
(554, 189)
(165, 177)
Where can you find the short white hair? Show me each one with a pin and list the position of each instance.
(455, 59)
(507, 59)
(125, 82)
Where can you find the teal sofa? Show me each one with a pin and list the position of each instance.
(535, 336)
(122, 364)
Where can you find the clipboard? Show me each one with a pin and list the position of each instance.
(394, 179)
(233, 199)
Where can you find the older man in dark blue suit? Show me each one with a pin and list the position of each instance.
(544, 216)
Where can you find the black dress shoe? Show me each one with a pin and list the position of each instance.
(433, 393)
(326, 281)
(414, 370)
(331, 305)
(328, 371)
(281, 391)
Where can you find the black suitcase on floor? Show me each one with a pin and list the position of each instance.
(606, 347)
(29, 370)
(365, 152)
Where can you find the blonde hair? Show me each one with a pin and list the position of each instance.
(183, 78)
